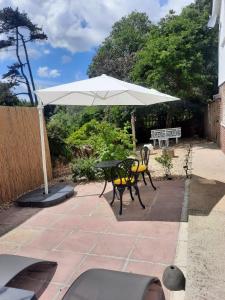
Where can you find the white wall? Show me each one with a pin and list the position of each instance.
(222, 44)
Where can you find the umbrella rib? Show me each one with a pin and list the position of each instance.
(93, 100)
(116, 94)
(136, 98)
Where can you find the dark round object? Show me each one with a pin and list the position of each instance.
(173, 279)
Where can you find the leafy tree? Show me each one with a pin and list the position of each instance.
(180, 55)
(19, 30)
(116, 55)
(6, 95)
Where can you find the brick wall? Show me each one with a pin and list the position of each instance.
(222, 123)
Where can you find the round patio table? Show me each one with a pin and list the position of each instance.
(107, 166)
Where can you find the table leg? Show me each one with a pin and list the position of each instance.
(105, 184)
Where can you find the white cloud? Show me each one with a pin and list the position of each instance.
(46, 51)
(47, 72)
(66, 59)
(81, 25)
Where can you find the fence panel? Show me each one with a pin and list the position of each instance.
(212, 121)
(20, 152)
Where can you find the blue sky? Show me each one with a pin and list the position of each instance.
(75, 29)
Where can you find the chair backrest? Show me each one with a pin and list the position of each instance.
(145, 153)
(123, 171)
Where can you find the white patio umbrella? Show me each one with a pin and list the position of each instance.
(101, 90)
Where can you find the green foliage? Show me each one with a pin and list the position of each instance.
(6, 95)
(166, 161)
(107, 141)
(116, 55)
(180, 55)
(85, 168)
(58, 129)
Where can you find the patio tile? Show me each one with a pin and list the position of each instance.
(114, 245)
(48, 239)
(159, 230)
(41, 220)
(21, 235)
(86, 207)
(61, 208)
(81, 242)
(154, 250)
(125, 227)
(51, 292)
(31, 252)
(94, 223)
(64, 257)
(8, 247)
(92, 261)
(144, 268)
(165, 215)
(67, 222)
(63, 273)
(103, 209)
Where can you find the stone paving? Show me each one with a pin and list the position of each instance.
(206, 230)
(86, 232)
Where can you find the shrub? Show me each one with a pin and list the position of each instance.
(85, 168)
(166, 161)
(107, 141)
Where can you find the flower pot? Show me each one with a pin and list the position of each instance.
(173, 279)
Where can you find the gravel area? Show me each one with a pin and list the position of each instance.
(180, 152)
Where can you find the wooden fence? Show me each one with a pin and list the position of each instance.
(212, 121)
(20, 152)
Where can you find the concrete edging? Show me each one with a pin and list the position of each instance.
(181, 250)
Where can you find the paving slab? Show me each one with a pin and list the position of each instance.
(206, 232)
(86, 232)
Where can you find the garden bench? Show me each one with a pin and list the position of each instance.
(164, 135)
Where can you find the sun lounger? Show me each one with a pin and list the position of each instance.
(12, 265)
(100, 284)
(8, 293)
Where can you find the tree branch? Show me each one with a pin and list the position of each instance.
(21, 67)
(29, 67)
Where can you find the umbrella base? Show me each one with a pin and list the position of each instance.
(58, 193)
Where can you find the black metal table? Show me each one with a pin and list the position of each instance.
(107, 166)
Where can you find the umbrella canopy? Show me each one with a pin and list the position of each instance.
(101, 90)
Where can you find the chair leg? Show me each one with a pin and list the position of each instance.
(131, 195)
(143, 176)
(150, 178)
(121, 190)
(138, 194)
(114, 194)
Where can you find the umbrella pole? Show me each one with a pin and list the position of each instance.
(133, 131)
(43, 153)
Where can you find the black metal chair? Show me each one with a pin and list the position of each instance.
(143, 167)
(124, 175)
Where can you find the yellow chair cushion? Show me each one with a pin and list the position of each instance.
(123, 181)
(140, 168)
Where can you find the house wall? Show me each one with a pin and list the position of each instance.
(222, 44)
(222, 123)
